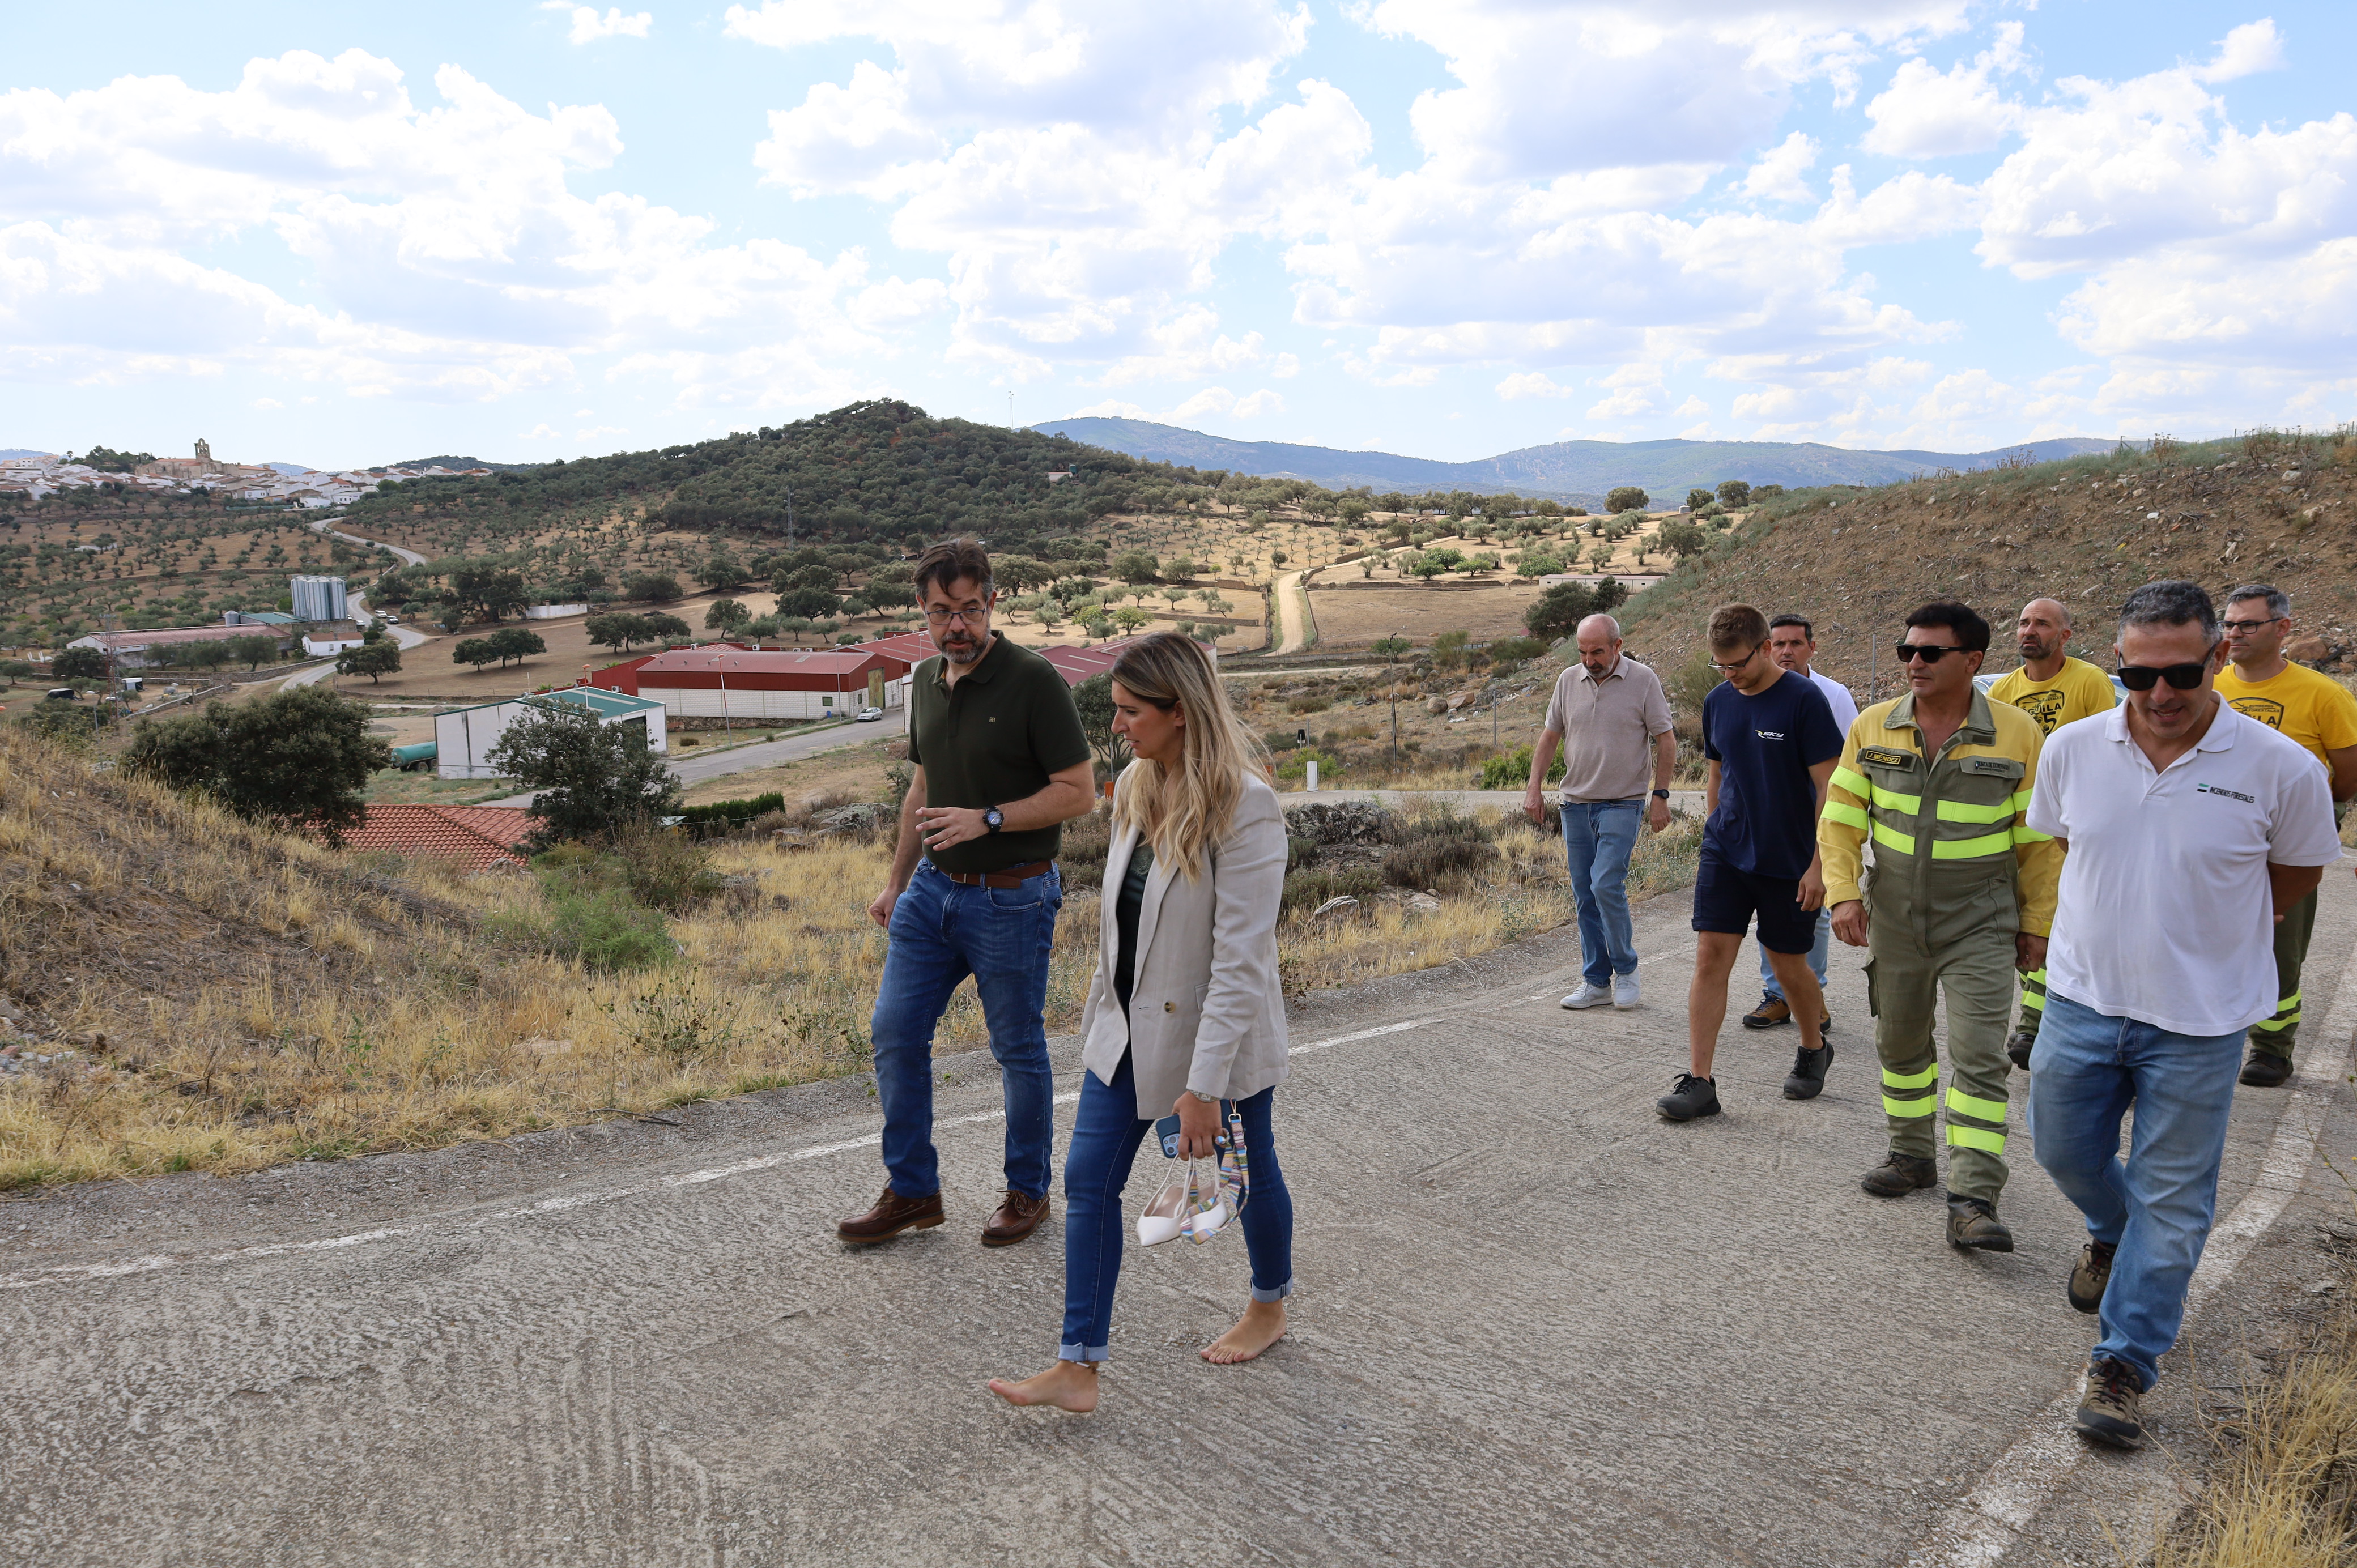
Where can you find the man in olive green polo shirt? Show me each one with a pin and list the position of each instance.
(1000, 762)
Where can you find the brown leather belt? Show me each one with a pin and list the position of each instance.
(1013, 877)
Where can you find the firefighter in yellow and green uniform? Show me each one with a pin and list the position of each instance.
(2054, 689)
(1961, 896)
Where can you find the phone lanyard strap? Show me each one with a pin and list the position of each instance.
(1235, 1163)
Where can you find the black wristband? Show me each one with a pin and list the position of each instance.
(1661, 794)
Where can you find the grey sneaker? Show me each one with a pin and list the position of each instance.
(1624, 990)
(1586, 996)
(2110, 1412)
(1691, 1097)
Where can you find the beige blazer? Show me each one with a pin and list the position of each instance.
(1206, 1011)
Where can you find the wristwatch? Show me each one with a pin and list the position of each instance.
(992, 819)
(1661, 794)
(1206, 1099)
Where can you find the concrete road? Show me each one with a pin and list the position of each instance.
(695, 765)
(406, 557)
(1535, 1325)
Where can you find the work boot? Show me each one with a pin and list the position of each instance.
(1901, 1175)
(1972, 1223)
(891, 1215)
(2017, 1046)
(1807, 1078)
(2091, 1274)
(1691, 1097)
(2265, 1069)
(2110, 1412)
(1017, 1217)
(1772, 1012)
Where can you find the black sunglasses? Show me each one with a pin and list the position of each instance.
(2183, 677)
(1931, 655)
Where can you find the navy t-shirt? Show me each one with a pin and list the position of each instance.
(1767, 818)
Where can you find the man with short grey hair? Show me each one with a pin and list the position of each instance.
(1610, 716)
(2209, 826)
(2259, 683)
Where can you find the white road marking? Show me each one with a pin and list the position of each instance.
(1979, 1528)
(155, 1261)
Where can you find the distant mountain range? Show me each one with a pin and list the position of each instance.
(446, 461)
(1580, 472)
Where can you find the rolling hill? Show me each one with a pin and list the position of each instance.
(1579, 471)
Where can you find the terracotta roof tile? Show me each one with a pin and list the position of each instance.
(483, 836)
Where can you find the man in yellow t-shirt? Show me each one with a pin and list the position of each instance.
(2320, 714)
(2054, 689)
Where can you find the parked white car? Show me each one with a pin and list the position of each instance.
(867, 715)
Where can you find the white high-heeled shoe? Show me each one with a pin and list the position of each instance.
(1166, 1217)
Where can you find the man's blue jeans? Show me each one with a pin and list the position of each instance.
(1818, 954)
(1599, 836)
(1106, 1136)
(2087, 1069)
(942, 931)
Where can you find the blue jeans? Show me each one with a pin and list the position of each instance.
(1106, 1136)
(2088, 1069)
(942, 931)
(1597, 838)
(1817, 954)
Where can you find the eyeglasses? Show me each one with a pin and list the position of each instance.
(1730, 669)
(1929, 653)
(2244, 627)
(2182, 677)
(964, 618)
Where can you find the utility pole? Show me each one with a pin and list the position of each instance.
(1395, 751)
(1010, 408)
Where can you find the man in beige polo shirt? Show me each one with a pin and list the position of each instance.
(1613, 720)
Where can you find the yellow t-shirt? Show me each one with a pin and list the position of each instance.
(2315, 710)
(2077, 690)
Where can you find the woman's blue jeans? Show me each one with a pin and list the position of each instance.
(1106, 1136)
(1599, 836)
(942, 931)
(2156, 1206)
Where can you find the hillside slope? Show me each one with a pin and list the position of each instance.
(2267, 508)
(1580, 472)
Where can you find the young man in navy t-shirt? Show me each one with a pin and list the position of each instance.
(1771, 743)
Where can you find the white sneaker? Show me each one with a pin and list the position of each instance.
(1587, 996)
(1624, 990)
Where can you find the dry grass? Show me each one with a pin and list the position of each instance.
(2286, 1497)
(234, 998)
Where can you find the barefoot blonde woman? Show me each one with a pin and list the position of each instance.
(1185, 1010)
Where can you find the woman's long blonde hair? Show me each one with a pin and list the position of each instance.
(1183, 810)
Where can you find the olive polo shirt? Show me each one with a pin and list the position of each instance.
(997, 736)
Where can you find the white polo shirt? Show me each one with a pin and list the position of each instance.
(2164, 915)
(1843, 705)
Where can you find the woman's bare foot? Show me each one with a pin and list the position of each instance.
(1067, 1385)
(1262, 1326)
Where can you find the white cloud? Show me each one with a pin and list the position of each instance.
(1926, 113)
(2250, 48)
(1776, 176)
(1691, 407)
(1531, 384)
(267, 403)
(1285, 367)
(1264, 401)
(588, 27)
(542, 432)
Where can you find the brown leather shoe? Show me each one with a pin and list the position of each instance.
(1016, 1218)
(1772, 1011)
(891, 1215)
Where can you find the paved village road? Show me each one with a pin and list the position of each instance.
(694, 765)
(1535, 1325)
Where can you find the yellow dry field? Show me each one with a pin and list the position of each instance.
(235, 997)
(1351, 618)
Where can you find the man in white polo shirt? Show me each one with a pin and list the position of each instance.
(2210, 825)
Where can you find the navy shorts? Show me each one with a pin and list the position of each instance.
(1724, 900)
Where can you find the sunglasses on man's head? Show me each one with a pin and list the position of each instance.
(1930, 654)
(2142, 677)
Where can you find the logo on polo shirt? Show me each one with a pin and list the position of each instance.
(2230, 794)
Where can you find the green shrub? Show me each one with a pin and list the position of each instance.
(1438, 851)
(607, 932)
(663, 868)
(1511, 770)
(1281, 740)
(1297, 764)
(1307, 706)
(1308, 888)
(1515, 650)
(732, 812)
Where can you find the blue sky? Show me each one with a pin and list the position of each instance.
(1442, 227)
